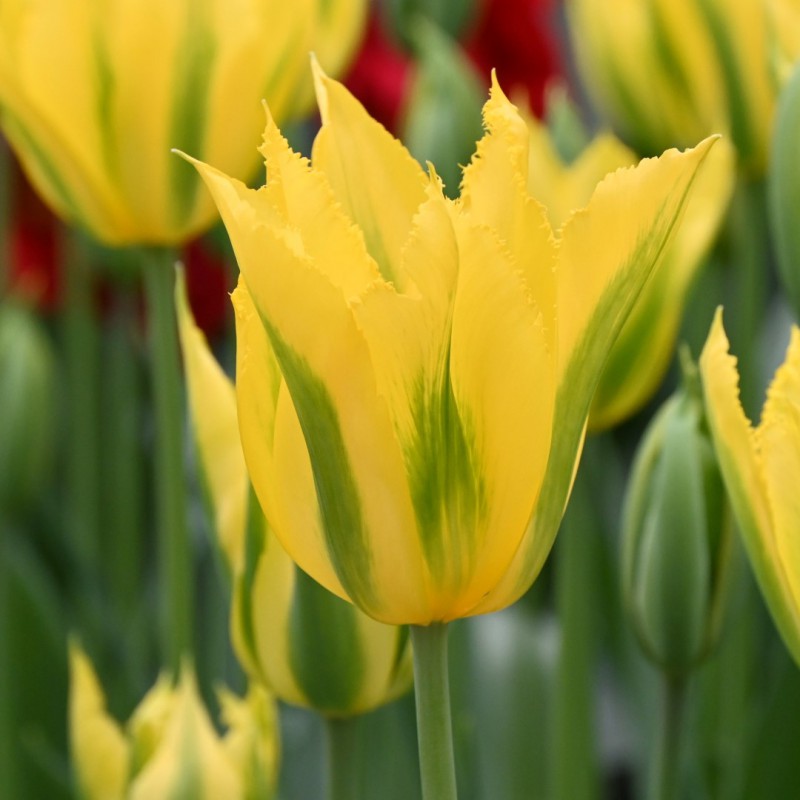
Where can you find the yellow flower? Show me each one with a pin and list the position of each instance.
(309, 646)
(760, 467)
(94, 95)
(170, 748)
(641, 354)
(439, 357)
(668, 72)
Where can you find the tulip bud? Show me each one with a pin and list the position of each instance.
(26, 407)
(443, 114)
(677, 537)
(170, 748)
(784, 188)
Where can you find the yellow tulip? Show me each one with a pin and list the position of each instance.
(641, 354)
(309, 646)
(94, 95)
(760, 467)
(668, 72)
(170, 748)
(438, 356)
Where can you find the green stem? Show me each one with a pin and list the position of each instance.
(434, 727)
(749, 253)
(82, 384)
(575, 774)
(343, 758)
(665, 783)
(172, 529)
(8, 733)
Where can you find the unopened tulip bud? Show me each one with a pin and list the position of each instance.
(677, 538)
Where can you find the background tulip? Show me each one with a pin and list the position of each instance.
(93, 98)
(169, 748)
(760, 467)
(668, 73)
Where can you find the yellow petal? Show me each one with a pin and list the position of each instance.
(212, 402)
(494, 193)
(190, 760)
(745, 472)
(305, 199)
(503, 371)
(373, 176)
(607, 252)
(99, 749)
(642, 353)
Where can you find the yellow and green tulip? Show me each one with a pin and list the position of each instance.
(94, 95)
(760, 466)
(438, 357)
(668, 72)
(169, 747)
(641, 354)
(310, 647)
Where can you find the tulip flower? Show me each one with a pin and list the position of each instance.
(760, 466)
(92, 98)
(310, 647)
(430, 349)
(641, 355)
(439, 359)
(169, 747)
(667, 73)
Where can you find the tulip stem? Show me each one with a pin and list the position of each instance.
(343, 761)
(434, 727)
(667, 766)
(172, 529)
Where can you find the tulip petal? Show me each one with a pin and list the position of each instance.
(503, 370)
(100, 752)
(778, 438)
(358, 471)
(494, 193)
(745, 471)
(620, 235)
(212, 400)
(274, 448)
(373, 176)
(305, 199)
(189, 761)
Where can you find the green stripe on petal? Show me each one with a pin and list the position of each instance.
(324, 647)
(337, 491)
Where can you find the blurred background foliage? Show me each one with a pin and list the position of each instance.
(553, 698)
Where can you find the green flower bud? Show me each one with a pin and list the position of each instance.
(784, 188)
(26, 407)
(677, 537)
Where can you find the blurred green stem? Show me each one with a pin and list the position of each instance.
(171, 496)
(8, 734)
(83, 407)
(434, 725)
(575, 774)
(666, 777)
(343, 760)
(749, 253)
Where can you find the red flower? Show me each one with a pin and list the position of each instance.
(516, 37)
